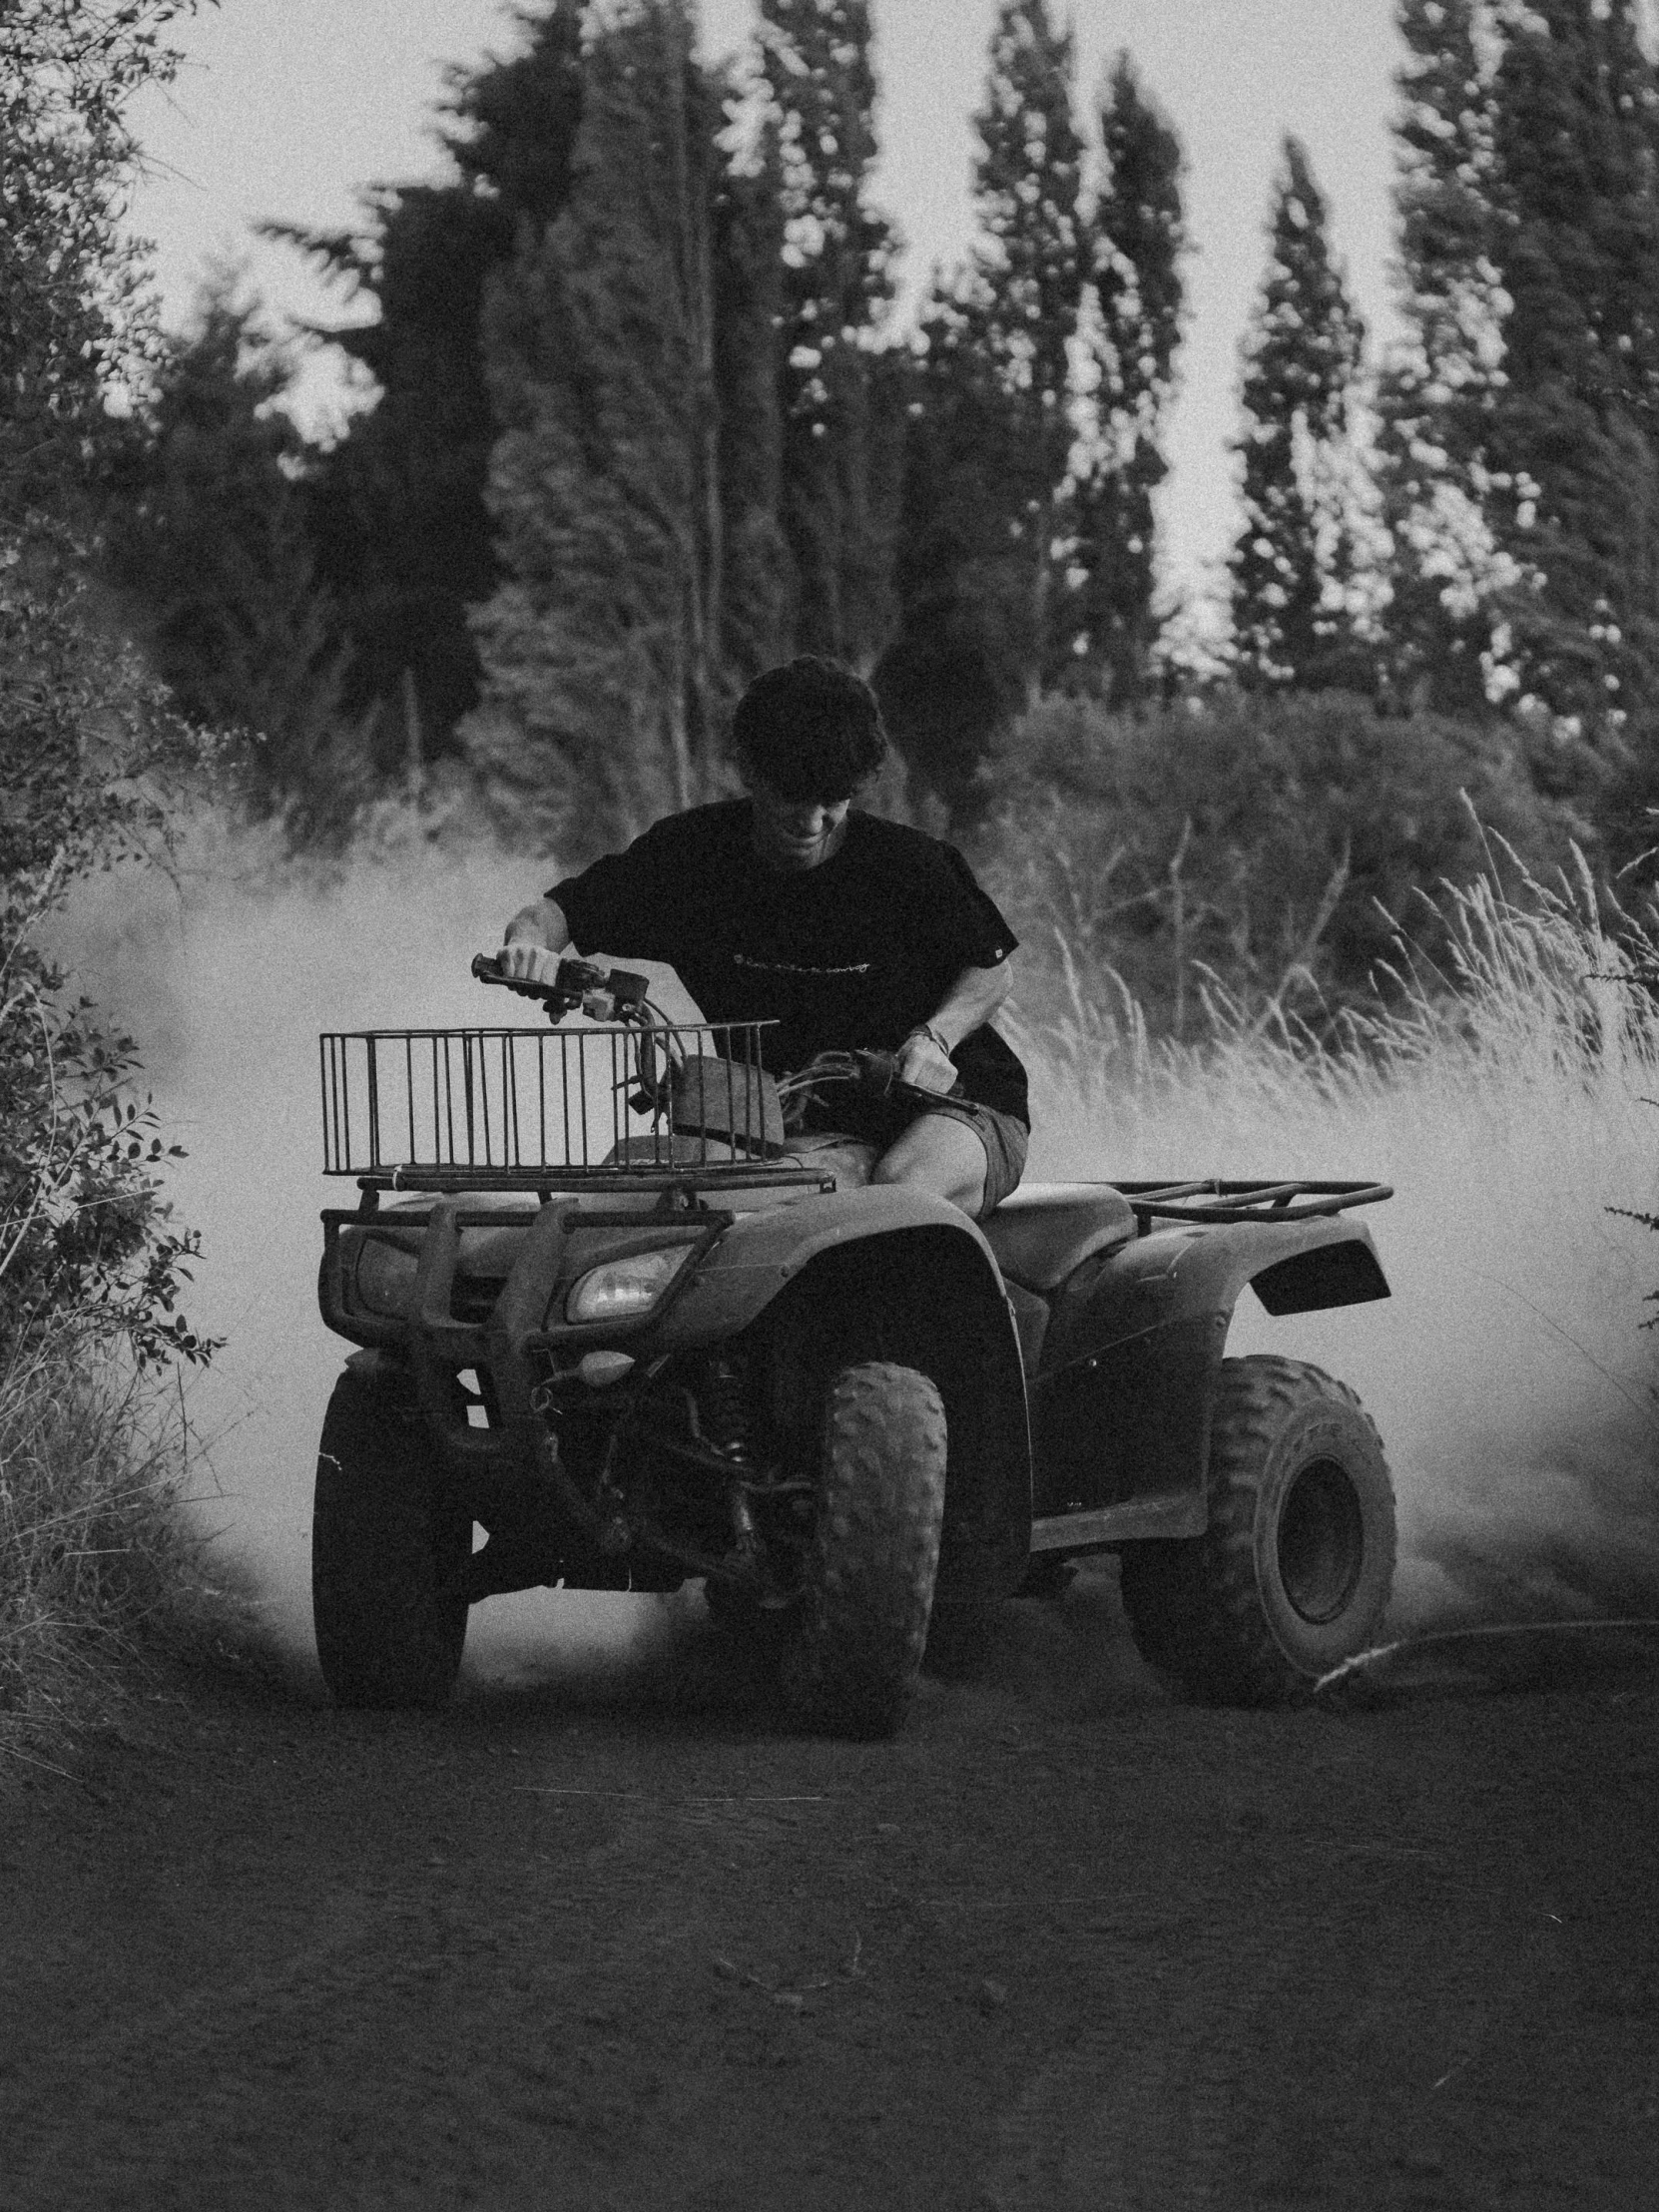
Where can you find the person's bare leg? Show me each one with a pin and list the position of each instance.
(940, 1154)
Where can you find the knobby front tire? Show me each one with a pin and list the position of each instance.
(862, 1622)
(389, 1555)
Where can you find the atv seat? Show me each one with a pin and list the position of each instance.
(1044, 1230)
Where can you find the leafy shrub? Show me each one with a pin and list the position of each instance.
(87, 748)
(1243, 849)
(91, 1542)
(86, 1251)
(90, 1262)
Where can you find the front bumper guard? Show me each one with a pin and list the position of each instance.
(522, 1338)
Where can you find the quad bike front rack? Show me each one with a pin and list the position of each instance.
(643, 1102)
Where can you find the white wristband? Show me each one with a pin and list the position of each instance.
(927, 1030)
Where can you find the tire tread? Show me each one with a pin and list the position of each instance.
(387, 1553)
(875, 1552)
(1195, 1607)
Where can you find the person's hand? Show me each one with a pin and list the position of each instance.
(522, 960)
(923, 1061)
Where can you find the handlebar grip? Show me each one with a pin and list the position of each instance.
(486, 968)
(879, 1074)
(571, 982)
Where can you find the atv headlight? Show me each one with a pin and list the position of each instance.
(384, 1279)
(624, 1288)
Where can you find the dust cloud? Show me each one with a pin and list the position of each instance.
(1510, 1375)
(226, 973)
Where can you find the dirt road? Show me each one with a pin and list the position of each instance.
(614, 1940)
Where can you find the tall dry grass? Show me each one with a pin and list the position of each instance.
(1509, 1099)
(99, 1567)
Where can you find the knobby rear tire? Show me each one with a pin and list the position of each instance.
(388, 1555)
(1294, 1572)
(861, 1626)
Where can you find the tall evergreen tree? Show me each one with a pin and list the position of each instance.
(206, 539)
(1448, 569)
(601, 646)
(957, 673)
(1137, 240)
(1573, 430)
(756, 600)
(990, 423)
(1022, 313)
(402, 533)
(1292, 561)
(839, 452)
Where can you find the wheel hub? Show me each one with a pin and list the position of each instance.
(1321, 1541)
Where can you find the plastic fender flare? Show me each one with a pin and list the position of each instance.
(763, 1252)
(1210, 1267)
(1132, 1356)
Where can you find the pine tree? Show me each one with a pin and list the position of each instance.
(398, 519)
(957, 673)
(1022, 313)
(1137, 240)
(600, 647)
(1292, 561)
(757, 601)
(1438, 395)
(990, 426)
(1573, 429)
(840, 453)
(206, 539)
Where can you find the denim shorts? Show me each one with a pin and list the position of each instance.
(1005, 1139)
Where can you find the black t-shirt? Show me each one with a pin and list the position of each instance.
(856, 951)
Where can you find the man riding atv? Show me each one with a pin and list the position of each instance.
(792, 906)
(623, 1301)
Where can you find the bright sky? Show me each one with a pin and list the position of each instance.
(287, 108)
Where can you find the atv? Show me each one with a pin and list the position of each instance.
(617, 1307)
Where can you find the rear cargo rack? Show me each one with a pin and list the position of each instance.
(1215, 1202)
(644, 1105)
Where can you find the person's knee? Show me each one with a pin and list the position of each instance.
(939, 1156)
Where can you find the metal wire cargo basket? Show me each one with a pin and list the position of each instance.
(474, 1109)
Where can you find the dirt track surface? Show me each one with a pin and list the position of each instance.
(616, 1940)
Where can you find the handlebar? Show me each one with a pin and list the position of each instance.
(874, 1073)
(618, 994)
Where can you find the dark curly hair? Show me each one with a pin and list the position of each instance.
(808, 730)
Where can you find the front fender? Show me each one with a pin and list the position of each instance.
(1121, 1409)
(762, 1253)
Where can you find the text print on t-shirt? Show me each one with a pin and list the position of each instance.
(792, 967)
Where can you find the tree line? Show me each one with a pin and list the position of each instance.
(647, 420)
(645, 423)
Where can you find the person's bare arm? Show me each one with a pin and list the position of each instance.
(923, 1058)
(534, 940)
